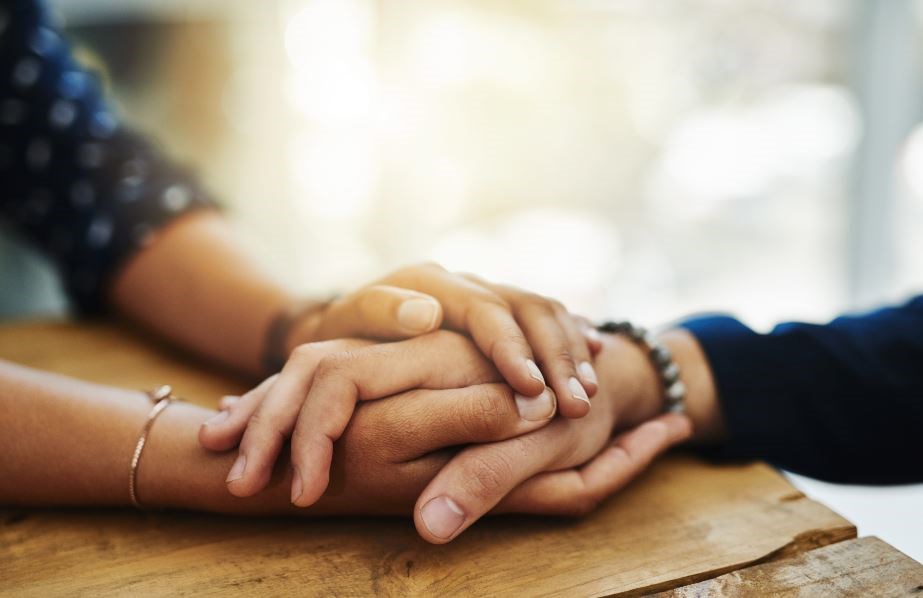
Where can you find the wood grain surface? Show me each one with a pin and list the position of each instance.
(682, 522)
(863, 567)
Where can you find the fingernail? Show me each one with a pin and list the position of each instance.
(534, 372)
(538, 408)
(418, 314)
(297, 488)
(227, 402)
(442, 517)
(587, 371)
(577, 390)
(217, 418)
(593, 334)
(237, 470)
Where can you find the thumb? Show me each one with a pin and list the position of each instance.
(383, 312)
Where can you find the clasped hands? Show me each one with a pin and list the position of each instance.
(456, 421)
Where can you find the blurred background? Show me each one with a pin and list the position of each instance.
(639, 158)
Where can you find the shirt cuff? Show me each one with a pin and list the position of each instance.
(751, 379)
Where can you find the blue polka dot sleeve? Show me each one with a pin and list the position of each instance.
(73, 181)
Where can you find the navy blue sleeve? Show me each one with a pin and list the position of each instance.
(73, 181)
(841, 402)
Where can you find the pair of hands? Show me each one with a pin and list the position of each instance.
(439, 392)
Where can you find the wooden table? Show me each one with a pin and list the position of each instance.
(686, 527)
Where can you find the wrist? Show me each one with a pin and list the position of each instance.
(305, 325)
(177, 473)
(629, 379)
(293, 324)
(702, 405)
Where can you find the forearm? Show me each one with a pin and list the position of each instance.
(65, 442)
(195, 286)
(69, 443)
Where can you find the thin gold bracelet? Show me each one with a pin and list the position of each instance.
(161, 396)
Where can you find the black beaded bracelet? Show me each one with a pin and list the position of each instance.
(667, 370)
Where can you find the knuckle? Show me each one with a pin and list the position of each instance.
(305, 352)
(485, 301)
(486, 476)
(534, 302)
(332, 365)
(513, 336)
(564, 356)
(539, 303)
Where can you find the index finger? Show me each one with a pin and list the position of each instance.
(438, 360)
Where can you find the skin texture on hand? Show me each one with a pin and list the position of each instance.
(391, 451)
(566, 467)
(314, 397)
(529, 338)
(393, 448)
(479, 477)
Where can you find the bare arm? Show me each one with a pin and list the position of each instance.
(67, 442)
(195, 286)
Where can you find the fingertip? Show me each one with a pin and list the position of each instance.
(250, 473)
(206, 438)
(227, 402)
(236, 481)
(440, 520)
(588, 378)
(573, 408)
(534, 372)
(528, 387)
(254, 482)
(536, 412)
(573, 399)
(220, 432)
(312, 487)
(590, 387)
(679, 426)
(594, 339)
(523, 376)
(313, 471)
(297, 486)
(210, 430)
